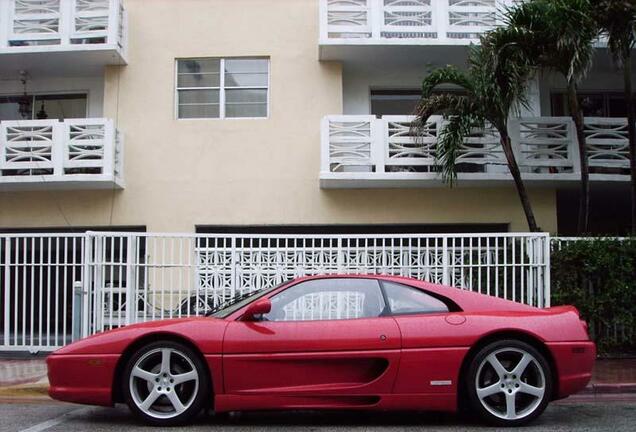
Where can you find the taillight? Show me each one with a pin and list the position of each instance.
(585, 327)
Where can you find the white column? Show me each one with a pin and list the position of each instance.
(324, 145)
(5, 8)
(109, 148)
(379, 143)
(376, 18)
(59, 146)
(440, 18)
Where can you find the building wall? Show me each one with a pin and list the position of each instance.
(182, 173)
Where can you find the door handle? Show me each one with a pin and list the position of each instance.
(382, 337)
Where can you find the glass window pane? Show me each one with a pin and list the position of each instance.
(60, 106)
(328, 299)
(246, 103)
(199, 111)
(245, 72)
(246, 80)
(246, 96)
(198, 96)
(199, 65)
(246, 65)
(593, 105)
(198, 73)
(198, 80)
(617, 106)
(241, 110)
(10, 108)
(407, 300)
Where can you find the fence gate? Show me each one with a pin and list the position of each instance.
(57, 288)
(37, 273)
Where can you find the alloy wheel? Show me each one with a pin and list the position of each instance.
(163, 383)
(510, 383)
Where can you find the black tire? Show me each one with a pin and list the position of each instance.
(195, 392)
(537, 374)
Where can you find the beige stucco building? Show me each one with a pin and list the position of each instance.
(318, 153)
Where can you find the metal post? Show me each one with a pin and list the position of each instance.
(78, 302)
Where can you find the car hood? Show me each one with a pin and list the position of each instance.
(204, 332)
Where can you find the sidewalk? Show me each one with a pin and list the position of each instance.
(27, 378)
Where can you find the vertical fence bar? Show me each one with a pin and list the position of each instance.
(7, 292)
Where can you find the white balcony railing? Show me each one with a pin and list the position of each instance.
(62, 25)
(365, 151)
(407, 21)
(79, 153)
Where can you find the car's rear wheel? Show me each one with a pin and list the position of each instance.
(509, 383)
(165, 383)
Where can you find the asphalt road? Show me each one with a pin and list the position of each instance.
(58, 417)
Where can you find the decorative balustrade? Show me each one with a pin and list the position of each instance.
(360, 149)
(62, 25)
(83, 152)
(407, 21)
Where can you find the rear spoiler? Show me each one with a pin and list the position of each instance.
(563, 309)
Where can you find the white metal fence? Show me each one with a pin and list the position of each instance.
(123, 278)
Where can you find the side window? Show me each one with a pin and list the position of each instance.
(328, 299)
(408, 300)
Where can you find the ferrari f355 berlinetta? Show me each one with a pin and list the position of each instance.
(336, 342)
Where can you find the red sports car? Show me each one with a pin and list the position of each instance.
(336, 342)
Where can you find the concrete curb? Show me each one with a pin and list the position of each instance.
(614, 388)
(39, 389)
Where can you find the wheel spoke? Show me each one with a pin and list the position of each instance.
(531, 390)
(511, 409)
(522, 365)
(150, 399)
(187, 376)
(144, 375)
(165, 360)
(175, 401)
(496, 364)
(489, 391)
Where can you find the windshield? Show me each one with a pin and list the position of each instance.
(229, 307)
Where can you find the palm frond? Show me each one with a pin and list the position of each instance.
(446, 75)
(617, 22)
(556, 34)
(449, 145)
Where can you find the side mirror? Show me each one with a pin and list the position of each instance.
(259, 307)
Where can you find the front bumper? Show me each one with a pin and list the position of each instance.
(574, 363)
(82, 378)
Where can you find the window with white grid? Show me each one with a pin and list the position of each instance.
(222, 88)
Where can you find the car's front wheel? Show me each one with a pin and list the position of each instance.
(509, 383)
(165, 383)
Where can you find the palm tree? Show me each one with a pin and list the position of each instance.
(617, 20)
(558, 35)
(493, 88)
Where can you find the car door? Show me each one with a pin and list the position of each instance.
(431, 353)
(322, 337)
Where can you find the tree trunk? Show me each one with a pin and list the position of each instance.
(516, 175)
(584, 199)
(631, 125)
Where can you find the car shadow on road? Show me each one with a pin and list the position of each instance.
(276, 419)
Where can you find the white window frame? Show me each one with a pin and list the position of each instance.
(221, 88)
